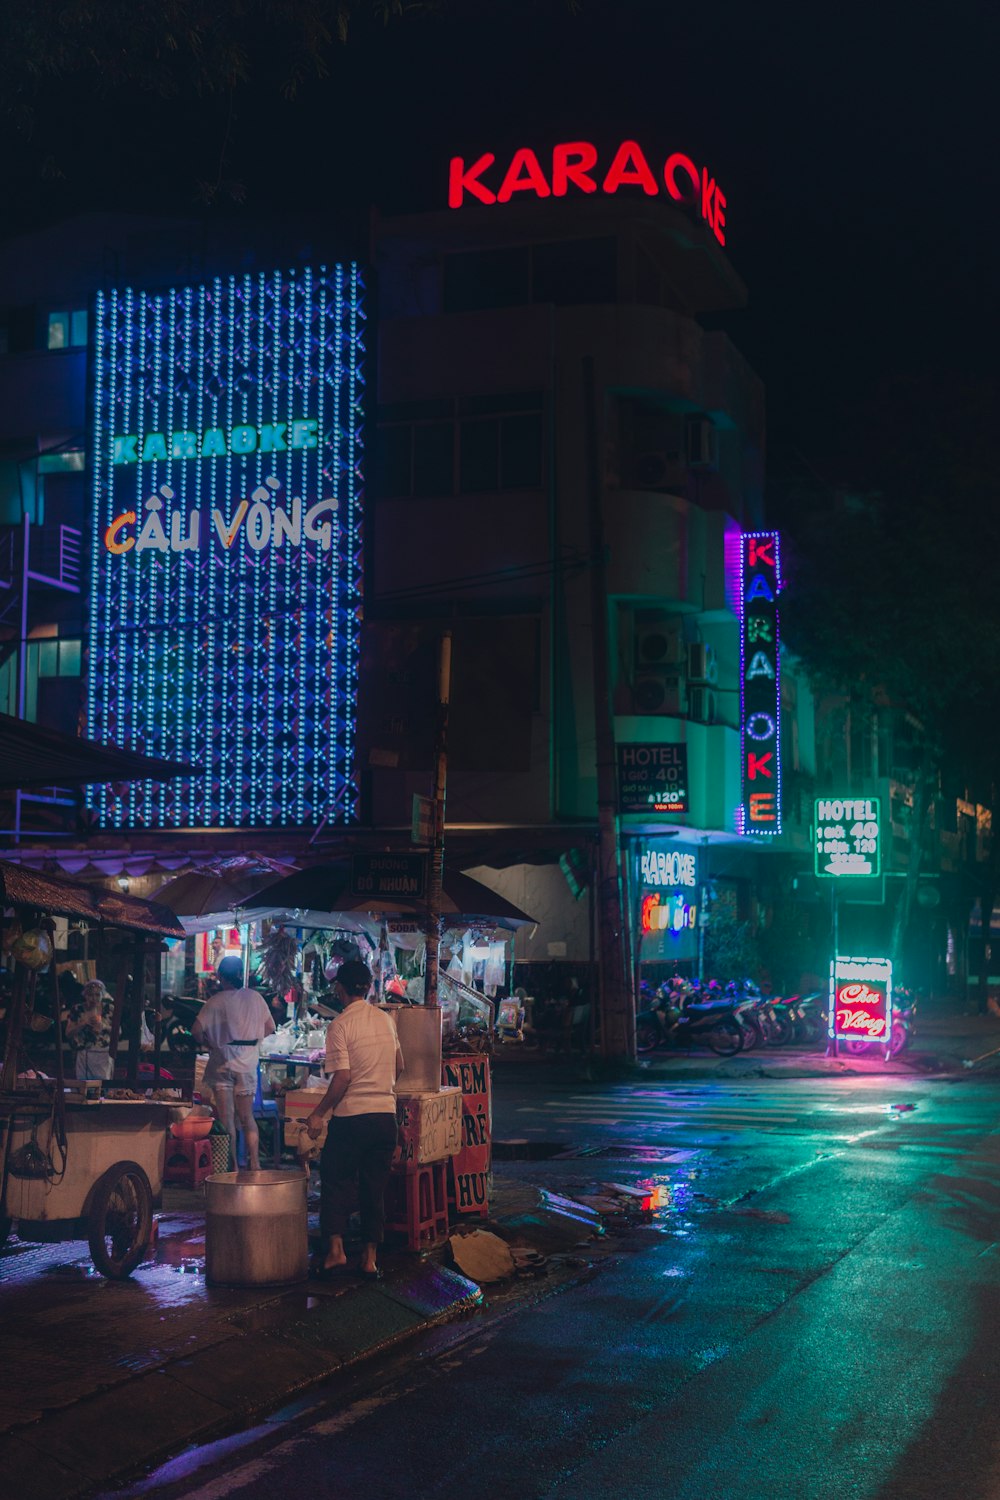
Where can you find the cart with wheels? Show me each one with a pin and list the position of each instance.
(82, 1160)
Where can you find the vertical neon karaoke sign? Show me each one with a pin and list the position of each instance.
(760, 684)
(226, 451)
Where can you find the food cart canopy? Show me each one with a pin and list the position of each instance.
(31, 755)
(327, 888)
(20, 887)
(220, 888)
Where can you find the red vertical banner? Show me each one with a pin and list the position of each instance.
(469, 1171)
(760, 684)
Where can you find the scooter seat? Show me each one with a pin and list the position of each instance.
(707, 1007)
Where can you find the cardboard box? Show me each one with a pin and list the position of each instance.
(297, 1104)
(430, 1127)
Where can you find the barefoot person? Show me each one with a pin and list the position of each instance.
(364, 1059)
(231, 1026)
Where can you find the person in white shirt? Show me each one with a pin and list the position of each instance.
(364, 1058)
(231, 1026)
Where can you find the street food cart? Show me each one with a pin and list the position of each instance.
(80, 1159)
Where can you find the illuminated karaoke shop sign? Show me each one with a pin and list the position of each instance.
(578, 167)
(226, 451)
(860, 999)
(668, 881)
(760, 684)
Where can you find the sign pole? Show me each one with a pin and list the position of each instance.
(437, 846)
(831, 1046)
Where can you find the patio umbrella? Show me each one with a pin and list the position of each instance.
(218, 890)
(327, 888)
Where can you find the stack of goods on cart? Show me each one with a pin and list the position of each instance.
(468, 1018)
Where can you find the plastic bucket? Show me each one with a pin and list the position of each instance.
(256, 1228)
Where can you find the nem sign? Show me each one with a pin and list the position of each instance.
(760, 684)
(578, 167)
(226, 453)
(847, 836)
(860, 999)
(652, 779)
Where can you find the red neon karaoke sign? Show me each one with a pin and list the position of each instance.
(575, 166)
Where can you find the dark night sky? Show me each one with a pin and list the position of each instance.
(856, 147)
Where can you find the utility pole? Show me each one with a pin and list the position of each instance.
(614, 991)
(435, 874)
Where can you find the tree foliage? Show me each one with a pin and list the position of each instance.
(891, 588)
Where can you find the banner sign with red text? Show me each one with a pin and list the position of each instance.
(861, 999)
(760, 684)
(469, 1171)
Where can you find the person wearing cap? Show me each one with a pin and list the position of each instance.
(231, 1026)
(364, 1060)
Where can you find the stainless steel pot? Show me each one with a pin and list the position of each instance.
(256, 1228)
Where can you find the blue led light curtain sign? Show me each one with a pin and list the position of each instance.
(226, 452)
(760, 684)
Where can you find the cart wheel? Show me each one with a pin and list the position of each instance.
(120, 1221)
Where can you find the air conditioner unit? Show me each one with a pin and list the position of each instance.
(701, 443)
(702, 665)
(658, 647)
(656, 695)
(655, 470)
(701, 705)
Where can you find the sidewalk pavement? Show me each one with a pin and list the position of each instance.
(948, 1040)
(104, 1379)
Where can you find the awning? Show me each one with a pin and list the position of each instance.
(20, 887)
(31, 756)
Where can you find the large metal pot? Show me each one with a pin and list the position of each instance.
(256, 1228)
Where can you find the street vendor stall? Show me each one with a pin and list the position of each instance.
(81, 1157)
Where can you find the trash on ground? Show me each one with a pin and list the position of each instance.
(482, 1256)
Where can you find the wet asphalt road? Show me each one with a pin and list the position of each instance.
(814, 1313)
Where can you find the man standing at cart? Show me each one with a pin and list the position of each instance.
(363, 1055)
(231, 1026)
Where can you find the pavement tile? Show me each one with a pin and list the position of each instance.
(244, 1373)
(430, 1289)
(121, 1429)
(33, 1475)
(354, 1325)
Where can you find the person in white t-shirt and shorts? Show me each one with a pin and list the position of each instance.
(364, 1060)
(231, 1026)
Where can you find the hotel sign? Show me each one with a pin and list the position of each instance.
(652, 779)
(847, 836)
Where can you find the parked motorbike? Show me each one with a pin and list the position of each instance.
(904, 1016)
(679, 1016)
(178, 1014)
(755, 1014)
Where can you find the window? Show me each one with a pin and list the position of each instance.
(563, 271)
(486, 444)
(68, 330)
(433, 458)
(58, 658)
(574, 271)
(487, 278)
(69, 462)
